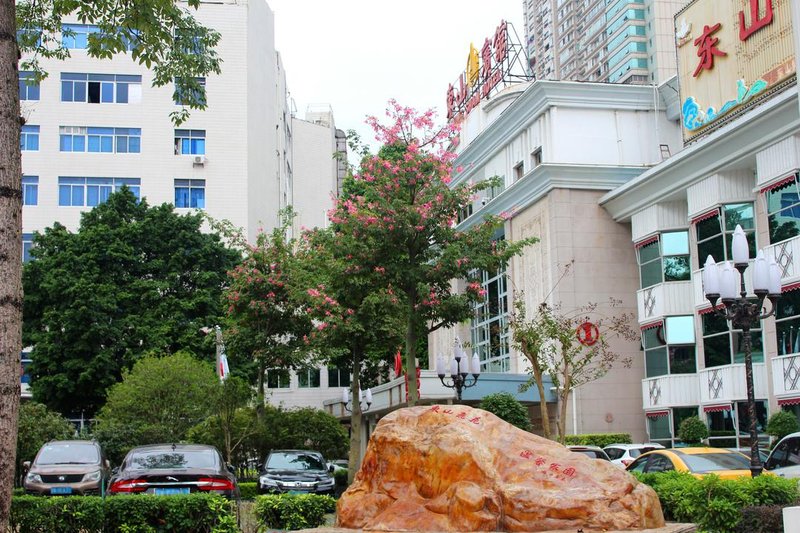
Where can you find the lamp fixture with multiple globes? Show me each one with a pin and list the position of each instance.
(459, 369)
(721, 282)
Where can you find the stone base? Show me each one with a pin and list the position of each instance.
(669, 528)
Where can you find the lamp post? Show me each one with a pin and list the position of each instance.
(362, 399)
(743, 314)
(459, 369)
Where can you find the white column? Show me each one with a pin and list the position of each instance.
(795, 7)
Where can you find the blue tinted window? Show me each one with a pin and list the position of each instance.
(190, 193)
(29, 138)
(122, 93)
(97, 88)
(73, 191)
(28, 88)
(30, 190)
(27, 245)
(190, 142)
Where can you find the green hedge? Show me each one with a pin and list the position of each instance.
(714, 504)
(293, 511)
(598, 439)
(248, 490)
(202, 513)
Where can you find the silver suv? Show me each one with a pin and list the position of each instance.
(784, 460)
(624, 454)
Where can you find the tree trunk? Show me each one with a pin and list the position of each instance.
(354, 459)
(562, 415)
(411, 353)
(260, 391)
(10, 255)
(537, 376)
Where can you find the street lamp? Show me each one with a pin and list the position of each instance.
(362, 399)
(459, 369)
(721, 282)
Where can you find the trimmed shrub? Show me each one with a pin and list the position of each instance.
(781, 424)
(714, 504)
(293, 511)
(248, 490)
(598, 439)
(202, 513)
(507, 407)
(692, 430)
(761, 519)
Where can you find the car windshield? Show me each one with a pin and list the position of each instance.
(161, 460)
(68, 454)
(295, 461)
(709, 462)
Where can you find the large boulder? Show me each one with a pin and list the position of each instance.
(455, 468)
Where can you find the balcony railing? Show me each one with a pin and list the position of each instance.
(786, 375)
(726, 384)
(670, 391)
(664, 299)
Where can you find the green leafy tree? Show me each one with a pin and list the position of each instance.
(37, 426)
(781, 424)
(161, 398)
(266, 316)
(692, 430)
(314, 429)
(398, 218)
(508, 408)
(133, 279)
(551, 343)
(160, 34)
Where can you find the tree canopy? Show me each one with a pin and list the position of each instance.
(132, 280)
(161, 398)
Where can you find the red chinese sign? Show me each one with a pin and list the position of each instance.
(588, 334)
(756, 22)
(463, 96)
(707, 48)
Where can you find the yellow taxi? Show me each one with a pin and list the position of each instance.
(698, 461)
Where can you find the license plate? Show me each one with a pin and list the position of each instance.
(167, 492)
(298, 492)
(61, 490)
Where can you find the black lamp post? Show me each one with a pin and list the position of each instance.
(363, 399)
(720, 282)
(459, 369)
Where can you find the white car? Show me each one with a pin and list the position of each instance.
(624, 454)
(784, 460)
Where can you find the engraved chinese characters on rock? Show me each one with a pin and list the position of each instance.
(552, 468)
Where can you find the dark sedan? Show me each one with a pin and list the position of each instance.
(164, 469)
(296, 472)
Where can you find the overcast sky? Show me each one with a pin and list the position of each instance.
(357, 54)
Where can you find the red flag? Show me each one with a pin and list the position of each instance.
(398, 364)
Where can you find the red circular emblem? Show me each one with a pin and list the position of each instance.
(588, 334)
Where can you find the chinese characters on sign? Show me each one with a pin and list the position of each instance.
(482, 75)
(707, 48)
(553, 468)
(756, 22)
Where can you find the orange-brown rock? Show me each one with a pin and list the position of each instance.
(455, 468)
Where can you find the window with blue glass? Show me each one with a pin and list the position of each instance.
(76, 36)
(665, 258)
(25, 360)
(783, 210)
(724, 345)
(100, 88)
(30, 190)
(669, 347)
(182, 97)
(191, 142)
(715, 232)
(27, 246)
(190, 193)
(100, 140)
(89, 192)
(28, 86)
(29, 138)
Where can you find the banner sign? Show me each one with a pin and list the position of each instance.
(732, 54)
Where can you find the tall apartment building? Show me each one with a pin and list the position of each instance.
(615, 41)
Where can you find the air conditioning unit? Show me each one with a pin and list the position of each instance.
(199, 160)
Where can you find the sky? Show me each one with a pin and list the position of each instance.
(357, 54)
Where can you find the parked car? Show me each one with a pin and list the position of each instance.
(296, 471)
(163, 469)
(338, 464)
(784, 460)
(697, 461)
(624, 454)
(595, 452)
(67, 467)
(763, 454)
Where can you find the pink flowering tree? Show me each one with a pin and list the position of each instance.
(357, 316)
(396, 225)
(265, 306)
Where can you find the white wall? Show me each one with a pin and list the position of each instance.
(314, 172)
